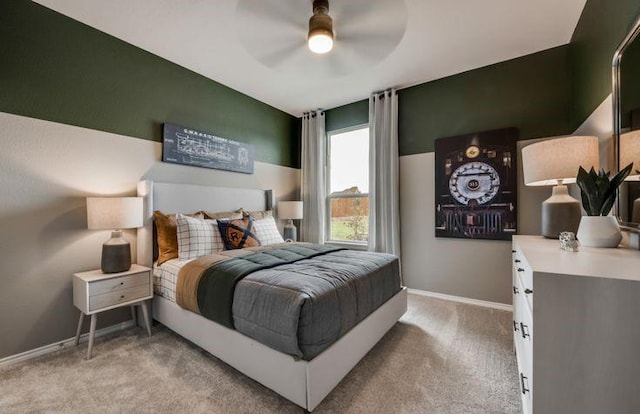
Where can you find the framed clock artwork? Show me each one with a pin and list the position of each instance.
(476, 185)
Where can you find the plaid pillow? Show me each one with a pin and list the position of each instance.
(197, 237)
(267, 231)
(237, 234)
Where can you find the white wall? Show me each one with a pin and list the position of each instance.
(47, 170)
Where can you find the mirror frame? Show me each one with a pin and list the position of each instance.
(617, 112)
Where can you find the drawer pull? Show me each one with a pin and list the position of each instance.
(121, 283)
(517, 260)
(515, 326)
(515, 290)
(520, 269)
(524, 387)
(525, 334)
(121, 296)
(528, 291)
(513, 251)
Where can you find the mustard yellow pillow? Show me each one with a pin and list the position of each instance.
(166, 235)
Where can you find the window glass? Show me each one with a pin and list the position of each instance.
(348, 199)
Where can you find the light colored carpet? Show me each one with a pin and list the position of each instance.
(442, 357)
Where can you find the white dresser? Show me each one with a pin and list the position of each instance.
(576, 326)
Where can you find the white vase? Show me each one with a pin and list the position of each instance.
(599, 231)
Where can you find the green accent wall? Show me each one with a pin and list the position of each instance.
(531, 93)
(356, 113)
(57, 69)
(602, 26)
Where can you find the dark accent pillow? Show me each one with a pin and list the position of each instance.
(237, 234)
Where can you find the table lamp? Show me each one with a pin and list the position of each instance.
(290, 210)
(630, 153)
(115, 213)
(556, 162)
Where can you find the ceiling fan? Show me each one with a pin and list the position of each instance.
(280, 33)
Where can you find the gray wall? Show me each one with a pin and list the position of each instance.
(473, 268)
(46, 171)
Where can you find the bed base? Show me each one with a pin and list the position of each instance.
(305, 383)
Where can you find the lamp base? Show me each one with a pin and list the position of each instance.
(290, 232)
(116, 254)
(560, 212)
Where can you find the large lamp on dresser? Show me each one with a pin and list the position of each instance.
(630, 153)
(114, 213)
(555, 162)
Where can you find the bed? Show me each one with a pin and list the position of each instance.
(305, 382)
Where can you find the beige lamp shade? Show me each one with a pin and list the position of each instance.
(546, 162)
(290, 210)
(110, 213)
(630, 152)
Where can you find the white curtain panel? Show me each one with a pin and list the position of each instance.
(384, 182)
(313, 188)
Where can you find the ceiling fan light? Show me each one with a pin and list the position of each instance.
(320, 42)
(320, 38)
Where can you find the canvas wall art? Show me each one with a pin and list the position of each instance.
(476, 185)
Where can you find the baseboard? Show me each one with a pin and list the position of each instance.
(468, 301)
(62, 344)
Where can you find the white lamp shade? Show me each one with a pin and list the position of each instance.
(290, 210)
(546, 162)
(114, 213)
(630, 152)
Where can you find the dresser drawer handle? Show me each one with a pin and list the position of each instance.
(520, 269)
(515, 290)
(121, 296)
(121, 283)
(515, 326)
(513, 251)
(525, 334)
(528, 291)
(524, 387)
(517, 260)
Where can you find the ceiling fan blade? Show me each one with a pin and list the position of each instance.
(273, 13)
(280, 54)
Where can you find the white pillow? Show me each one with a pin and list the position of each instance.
(197, 237)
(266, 231)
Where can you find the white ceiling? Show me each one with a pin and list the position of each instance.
(258, 46)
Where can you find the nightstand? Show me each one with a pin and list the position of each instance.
(95, 292)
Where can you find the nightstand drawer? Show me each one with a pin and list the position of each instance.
(114, 298)
(101, 287)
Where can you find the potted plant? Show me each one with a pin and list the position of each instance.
(598, 228)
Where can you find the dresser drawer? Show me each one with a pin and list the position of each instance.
(522, 272)
(101, 287)
(121, 296)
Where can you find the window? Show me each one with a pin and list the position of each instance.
(348, 186)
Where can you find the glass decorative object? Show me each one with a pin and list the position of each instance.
(568, 241)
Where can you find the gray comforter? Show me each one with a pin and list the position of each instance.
(303, 307)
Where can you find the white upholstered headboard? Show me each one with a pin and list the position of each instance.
(187, 198)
